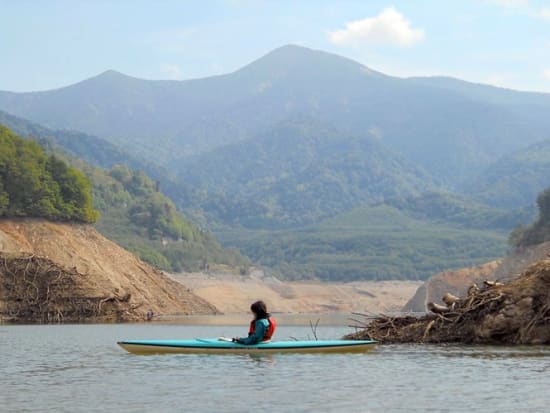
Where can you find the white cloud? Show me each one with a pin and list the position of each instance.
(389, 26)
(170, 71)
(546, 74)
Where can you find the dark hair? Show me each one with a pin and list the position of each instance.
(259, 309)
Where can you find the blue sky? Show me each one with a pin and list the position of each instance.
(49, 44)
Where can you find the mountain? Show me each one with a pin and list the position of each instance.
(298, 172)
(92, 149)
(452, 134)
(485, 93)
(299, 138)
(459, 210)
(515, 179)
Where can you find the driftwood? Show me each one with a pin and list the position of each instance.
(34, 289)
(473, 289)
(514, 313)
(438, 309)
(450, 300)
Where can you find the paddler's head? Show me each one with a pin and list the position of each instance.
(259, 309)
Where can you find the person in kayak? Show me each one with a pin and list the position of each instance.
(262, 327)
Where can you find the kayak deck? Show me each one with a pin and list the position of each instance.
(215, 346)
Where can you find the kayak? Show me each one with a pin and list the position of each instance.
(217, 346)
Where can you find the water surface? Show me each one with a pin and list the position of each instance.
(79, 368)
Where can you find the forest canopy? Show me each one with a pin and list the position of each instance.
(34, 184)
(136, 215)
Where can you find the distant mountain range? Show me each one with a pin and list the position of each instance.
(451, 128)
(299, 136)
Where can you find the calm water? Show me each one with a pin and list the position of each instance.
(79, 368)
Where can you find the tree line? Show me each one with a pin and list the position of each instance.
(35, 184)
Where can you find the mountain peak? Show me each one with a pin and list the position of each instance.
(111, 72)
(296, 59)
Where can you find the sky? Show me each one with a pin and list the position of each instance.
(49, 44)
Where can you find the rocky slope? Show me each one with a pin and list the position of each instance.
(97, 272)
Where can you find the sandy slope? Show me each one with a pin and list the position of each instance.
(233, 294)
(106, 269)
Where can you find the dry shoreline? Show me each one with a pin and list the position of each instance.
(232, 294)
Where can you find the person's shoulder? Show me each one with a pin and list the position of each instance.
(264, 321)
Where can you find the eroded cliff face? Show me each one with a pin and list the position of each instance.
(82, 267)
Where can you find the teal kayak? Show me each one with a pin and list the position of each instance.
(218, 346)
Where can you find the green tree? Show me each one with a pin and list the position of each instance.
(539, 231)
(35, 185)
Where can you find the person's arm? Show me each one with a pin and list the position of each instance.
(259, 333)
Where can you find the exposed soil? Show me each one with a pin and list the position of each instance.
(233, 294)
(57, 272)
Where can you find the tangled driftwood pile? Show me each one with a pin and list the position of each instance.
(517, 312)
(36, 289)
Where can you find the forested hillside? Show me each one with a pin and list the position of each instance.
(136, 215)
(133, 211)
(515, 179)
(34, 184)
(458, 210)
(298, 172)
(369, 243)
(95, 151)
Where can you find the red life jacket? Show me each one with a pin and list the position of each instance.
(268, 333)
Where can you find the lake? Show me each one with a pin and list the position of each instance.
(79, 368)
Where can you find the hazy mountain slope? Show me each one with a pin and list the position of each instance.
(95, 151)
(451, 134)
(298, 172)
(92, 149)
(452, 209)
(485, 93)
(514, 180)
